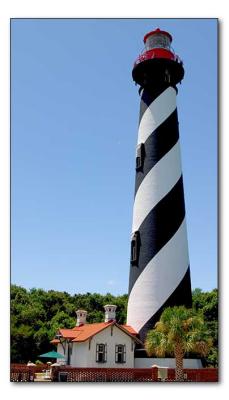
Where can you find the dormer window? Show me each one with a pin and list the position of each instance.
(135, 244)
(140, 155)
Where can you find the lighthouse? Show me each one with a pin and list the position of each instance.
(159, 263)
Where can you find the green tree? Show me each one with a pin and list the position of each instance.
(36, 313)
(178, 331)
(207, 304)
(60, 320)
(22, 344)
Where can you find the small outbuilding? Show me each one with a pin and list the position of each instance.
(105, 344)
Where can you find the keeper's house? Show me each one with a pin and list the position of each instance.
(106, 344)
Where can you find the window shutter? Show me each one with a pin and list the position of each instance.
(105, 352)
(97, 352)
(124, 353)
(116, 353)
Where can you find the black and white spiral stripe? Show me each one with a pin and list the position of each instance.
(161, 277)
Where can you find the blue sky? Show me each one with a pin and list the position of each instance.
(74, 117)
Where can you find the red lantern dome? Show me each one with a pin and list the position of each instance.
(157, 60)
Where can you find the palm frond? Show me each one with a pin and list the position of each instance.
(178, 325)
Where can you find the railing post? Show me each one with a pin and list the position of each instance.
(154, 373)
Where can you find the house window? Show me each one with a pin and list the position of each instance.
(101, 353)
(120, 353)
(135, 242)
(140, 156)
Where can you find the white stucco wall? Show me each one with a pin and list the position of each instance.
(165, 362)
(82, 356)
(61, 351)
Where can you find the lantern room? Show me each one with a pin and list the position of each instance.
(157, 39)
(158, 64)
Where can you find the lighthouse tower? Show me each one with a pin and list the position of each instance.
(159, 265)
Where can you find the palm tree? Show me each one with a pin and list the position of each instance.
(178, 331)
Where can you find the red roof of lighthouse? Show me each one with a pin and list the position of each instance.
(155, 32)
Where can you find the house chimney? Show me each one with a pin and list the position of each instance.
(81, 317)
(110, 312)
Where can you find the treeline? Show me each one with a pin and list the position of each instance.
(207, 302)
(36, 315)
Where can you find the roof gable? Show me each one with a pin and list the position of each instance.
(87, 331)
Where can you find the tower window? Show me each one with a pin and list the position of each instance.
(120, 353)
(135, 242)
(101, 353)
(140, 155)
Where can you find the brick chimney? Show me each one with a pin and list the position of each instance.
(110, 313)
(81, 317)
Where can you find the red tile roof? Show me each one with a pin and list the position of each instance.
(84, 332)
(129, 329)
(68, 333)
(55, 341)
